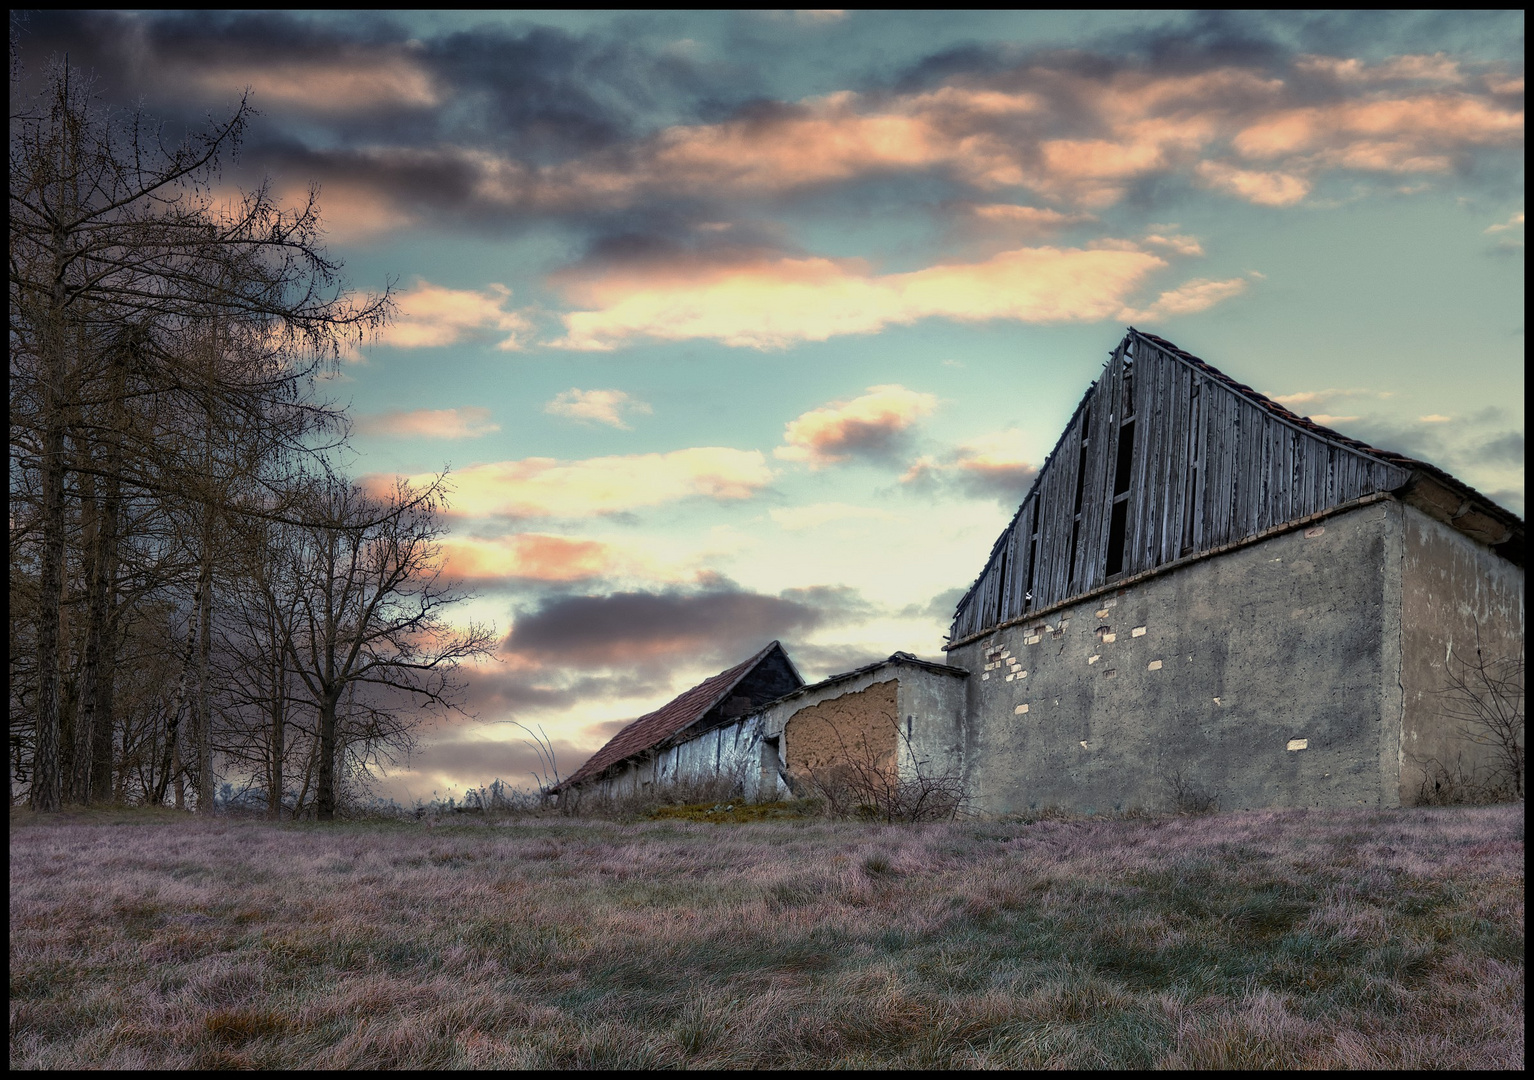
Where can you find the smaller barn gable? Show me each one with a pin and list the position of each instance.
(714, 703)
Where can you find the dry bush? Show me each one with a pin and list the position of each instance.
(727, 787)
(1483, 699)
(866, 786)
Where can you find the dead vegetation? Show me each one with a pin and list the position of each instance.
(1482, 698)
(1271, 939)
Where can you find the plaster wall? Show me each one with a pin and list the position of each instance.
(1256, 676)
(1454, 590)
(859, 724)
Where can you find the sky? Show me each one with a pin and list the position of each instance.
(741, 326)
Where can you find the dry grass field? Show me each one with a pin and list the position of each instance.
(1286, 939)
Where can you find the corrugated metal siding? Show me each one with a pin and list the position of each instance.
(1245, 464)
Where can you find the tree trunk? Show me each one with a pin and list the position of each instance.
(102, 689)
(45, 792)
(278, 736)
(203, 726)
(325, 792)
(81, 771)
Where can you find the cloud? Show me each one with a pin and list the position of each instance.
(874, 425)
(599, 406)
(991, 466)
(1261, 188)
(507, 124)
(628, 628)
(1413, 133)
(470, 422)
(430, 316)
(775, 301)
(1513, 222)
(1200, 294)
(1177, 244)
(547, 487)
(1312, 397)
(370, 80)
(813, 516)
(528, 556)
(1419, 68)
(1506, 448)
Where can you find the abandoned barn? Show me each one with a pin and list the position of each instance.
(1204, 596)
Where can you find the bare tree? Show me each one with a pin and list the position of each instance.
(161, 346)
(1482, 698)
(371, 615)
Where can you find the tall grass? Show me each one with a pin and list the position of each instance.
(1267, 939)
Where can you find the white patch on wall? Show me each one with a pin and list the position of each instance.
(1109, 638)
(1317, 531)
(1010, 678)
(1022, 674)
(1034, 640)
(1138, 631)
(1217, 701)
(1020, 709)
(985, 676)
(1154, 665)
(1094, 658)
(1297, 744)
(1101, 613)
(1083, 744)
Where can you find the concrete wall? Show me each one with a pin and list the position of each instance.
(931, 707)
(1452, 590)
(1212, 675)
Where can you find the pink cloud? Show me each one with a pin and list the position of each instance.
(769, 301)
(342, 85)
(870, 425)
(469, 422)
(1201, 294)
(546, 487)
(600, 406)
(433, 316)
(529, 556)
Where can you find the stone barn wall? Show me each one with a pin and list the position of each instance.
(1255, 676)
(1452, 589)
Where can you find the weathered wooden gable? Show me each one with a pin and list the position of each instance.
(1164, 458)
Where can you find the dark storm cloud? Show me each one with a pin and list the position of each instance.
(1504, 449)
(537, 93)
(940, 606)
(959, 473)
(638, 628)
(494, 692)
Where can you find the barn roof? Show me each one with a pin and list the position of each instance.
(1266, 469)
(678, 714)
(1510, 521)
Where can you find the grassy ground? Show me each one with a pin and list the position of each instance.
(1269, 939)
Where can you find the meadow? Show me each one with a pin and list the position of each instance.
(1275, 939)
